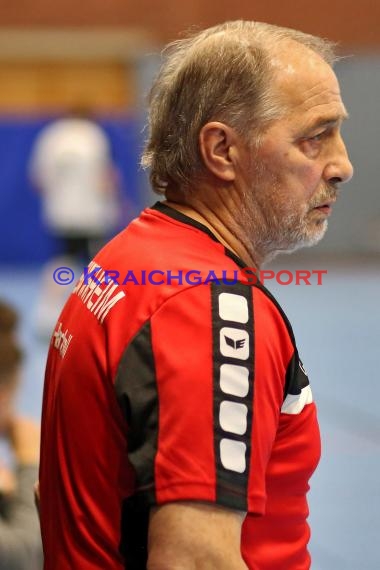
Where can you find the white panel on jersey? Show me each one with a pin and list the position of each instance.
(233, 308)
(294, 404)
(234, 343)
(233, 417)
(234, 380)
(232, 455)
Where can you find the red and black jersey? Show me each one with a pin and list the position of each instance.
(171, 376)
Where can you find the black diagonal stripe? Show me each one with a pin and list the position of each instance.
(231, 487)
(136, 391)
(296, 379)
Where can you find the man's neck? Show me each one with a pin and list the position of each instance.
(223, 225)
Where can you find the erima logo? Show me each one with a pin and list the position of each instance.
(236, 344)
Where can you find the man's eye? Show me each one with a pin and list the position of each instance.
(317, 137)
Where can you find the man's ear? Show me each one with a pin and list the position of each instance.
(218, 145)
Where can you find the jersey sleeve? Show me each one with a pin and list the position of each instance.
(201, 386)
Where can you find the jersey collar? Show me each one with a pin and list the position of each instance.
(180, 217)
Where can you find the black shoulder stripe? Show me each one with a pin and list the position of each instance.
(233, 362)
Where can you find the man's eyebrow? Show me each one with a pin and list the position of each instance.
(327, 121)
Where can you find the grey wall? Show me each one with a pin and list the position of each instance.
(355, 223)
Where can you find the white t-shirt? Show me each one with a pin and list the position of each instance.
(71, 165)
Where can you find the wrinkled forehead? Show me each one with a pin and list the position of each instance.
(304, 81)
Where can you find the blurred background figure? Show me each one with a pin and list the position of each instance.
(20, 543)
(72, 167)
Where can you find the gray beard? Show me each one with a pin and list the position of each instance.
(292, 235)
(272, 230)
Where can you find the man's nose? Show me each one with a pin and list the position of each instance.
(339, 168)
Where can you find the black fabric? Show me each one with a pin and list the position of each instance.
(232, 487)
(296, 377)
(136, 391)
(134, 525)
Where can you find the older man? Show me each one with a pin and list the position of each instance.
(179, 428)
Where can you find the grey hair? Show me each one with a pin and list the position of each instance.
(222, 74)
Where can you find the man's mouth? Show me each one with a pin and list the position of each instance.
(325, 207)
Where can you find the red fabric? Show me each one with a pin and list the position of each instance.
(182, 344)
(85, 473)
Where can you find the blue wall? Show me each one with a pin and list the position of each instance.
(23, 236)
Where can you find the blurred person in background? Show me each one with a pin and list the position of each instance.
(71, 165)
(72, 168)
(179, 426)
(20, 539)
